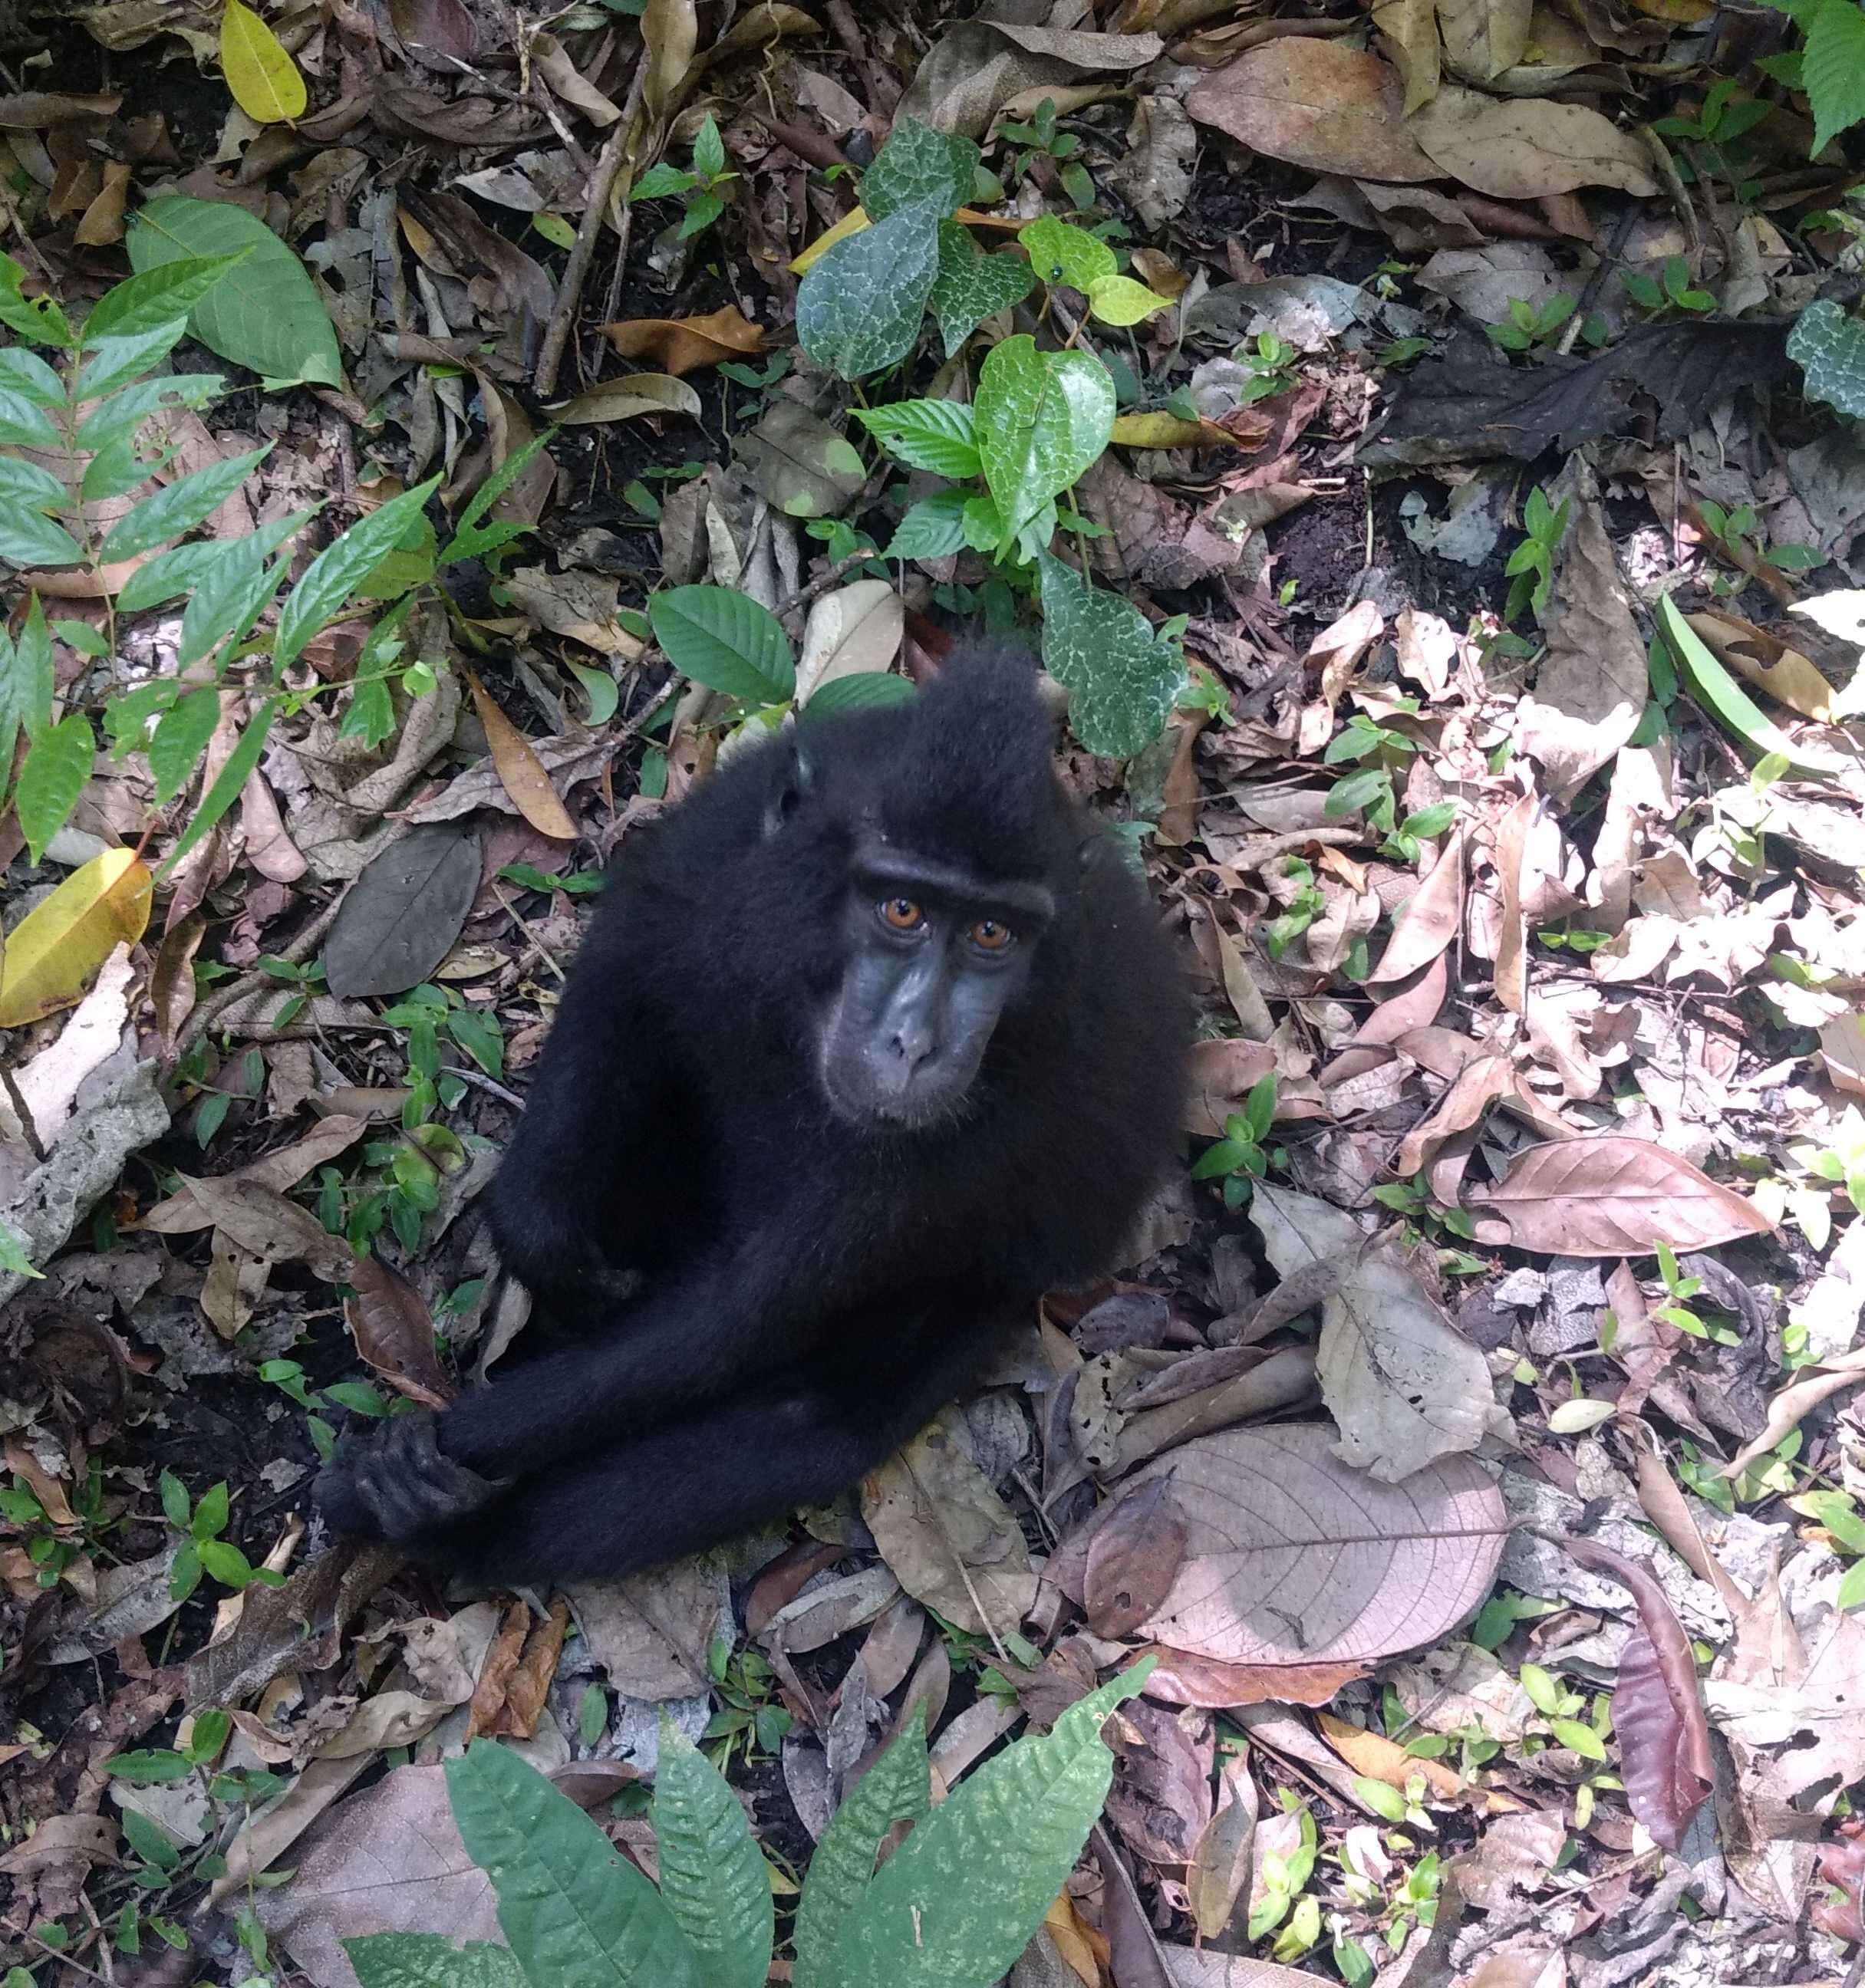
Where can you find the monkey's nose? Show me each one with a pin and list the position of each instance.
(908, 1048)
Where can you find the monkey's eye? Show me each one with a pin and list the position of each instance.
(902, 914)
(989, 935)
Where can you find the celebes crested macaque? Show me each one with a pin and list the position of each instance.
(876, 1038)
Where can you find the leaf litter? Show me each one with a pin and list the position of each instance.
(1528, 884)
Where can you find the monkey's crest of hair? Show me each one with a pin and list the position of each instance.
(967, 768)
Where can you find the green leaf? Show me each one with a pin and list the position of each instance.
(472, 536)
(1121, 301)
(1356, 790)
(265, 314)
(477, 1032)
(938, 435)
(1042, 419)
(146, 1769)
(919, 166)
(725, 640)
(661, 182)
(1578, 1738)
(23, 421)
(701, 211)
(211, 1514)
(1224, 1157)
(1123, 681)
(1852, 1587)
(572, 1909)
(225, 1562)
(866, 690)
(932, 528)
(29, 539)
(13, 1258)
(431, 1960)
(1381, 1797)
(231, 598)
(1719, 694)
(1828, 344)
(971, 285)
(175, 1506)
(141, 302)
(151, 1842)
(180, 570)
(860, 308)
(334, 575)
(116, 360)
(709, 150)
(1833, 67)
(957, 1902)
(227, 782)
(180, 741)
(23, 482)
(714, 1876)
(58, 764)
(29, 374)
(126, 409)
(897, 1788)
(179, 507)
(601, 689)
(1061, 253)
(1260, 1107)
(36, 318)
(26, 683)
(184, 1569)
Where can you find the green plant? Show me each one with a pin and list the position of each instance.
(1671, 290)
(1284, 1879)
(952, 1908)
(1528, 326)
(698, 189)
(1531, 565)
(1722, 126)
(1738, 533)
(51, 1551)
(1271, 365)
(1830, 68)
(1303, 905)
(1238, 1159)
(1836, 1514)
(1040, 139)
(748, 1717)
(1406, 843)
(202, 1551)
(1060, 252)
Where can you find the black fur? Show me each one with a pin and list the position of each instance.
(812, 1288)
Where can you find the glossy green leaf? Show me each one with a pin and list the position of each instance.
(919, 166)
(431, 1960)
(114, 361)
(265, 314)
(861, 306)
(57, 765)
(933, 529)
(179, 506)
(180, 740)
(865, 690)
(1060, 252)
(227, 782)
(573, 1910)
(1123, 681)
(29, 539)
(714, 1876)
(1043, 417)
(938, 435)
(1828, 344)
(725, 640)
(334, 576)
(36, 318)
(143, 301)
(971, 285)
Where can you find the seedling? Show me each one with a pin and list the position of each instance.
(202, 1551)
(1040, 139)
(1738, 536)
(702, 203)
(1305, 904)
(1531, 563)
(1722, 125)
(1671, 290)
(1529, 326)
(1238, 1159)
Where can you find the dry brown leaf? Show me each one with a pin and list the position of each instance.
(1432, 917)
(520, 771)
(1219, 1865)
(1797, 1399)
(1482, 38)
(1408, 33)
(1293, 1558)
(684, 344)
(1611, 1196)
(261, 1221)
(622, 399)
(854, 631)
(1133, 1559)
(1523, 148)
(394, 1331)
(1376, 1758)
(670, 29)
(1512, 834)
(1223, 1073)
(182, 1213)
(1786, 674)
(1316, 103)
(1183, 1677)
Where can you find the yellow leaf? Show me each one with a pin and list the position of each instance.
(520, 770)
(1120, 300)
(56, 949)
(852, 223)
(1160, 431)
(264, 79)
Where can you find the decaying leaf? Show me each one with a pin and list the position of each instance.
(50, 956)
(683, 344)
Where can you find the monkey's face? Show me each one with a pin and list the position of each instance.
(932, 956)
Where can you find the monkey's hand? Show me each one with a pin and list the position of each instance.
(391, 1481)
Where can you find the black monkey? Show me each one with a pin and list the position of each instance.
(876, 1038)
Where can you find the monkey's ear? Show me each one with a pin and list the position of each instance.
(793, 780)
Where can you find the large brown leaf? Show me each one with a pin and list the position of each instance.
(1611, 1197)
(1292, 1557)
(1318, 104)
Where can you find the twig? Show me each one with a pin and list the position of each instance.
(299, 950)
(624, 226)
(821, 584)
(481, 1081)
(576, 269)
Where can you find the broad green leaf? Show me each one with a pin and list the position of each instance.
(1828, 344)
(36, 318)
(1726, 702)
(225, 1562)
(918, 164)
(725, 640)
(174, 573)
(403, 566)
(1833, 66)
(264, 80)
(26, 684)
(266, 313)
(661, 181)
(865, 690)
(573, 1910)
(31, 376)
(81, 635)
(334, 575)
(601, 689)
(126, 409)
(1061, 253)
(860, 307)
(58, 763)
(115, 470)
(971, 285)
(1121, 300)
(1123, 681)
(1852, 1587)
(709, 149)
(227, 782)
(431, 1960)
(143, 302)
(114, 361)
(178, 507)
(231, 598)
(23, 421)
(158, 1764)
(897, 1788)
(1355, 790)
(181, 738)
(982, 523)
(714, 1876)
(933, 529)
(28, 538)
(957, 1902)
(1043, 417)
(936, 435)
(176, 1507)
(149, 1840)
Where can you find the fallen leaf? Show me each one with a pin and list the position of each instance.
(855, 631)
(394, 1331)
(520, 770)
(622, 399)
(1182, 1677)
(1316, 103)
(683, 344)
(1787, 676)
(1132, 1560)
(1431, 917)
(1524, 148)
(399, 919)
(50, 956)
(1220, 1866)
(1611, 1196)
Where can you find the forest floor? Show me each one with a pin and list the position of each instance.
(1475, 1447)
